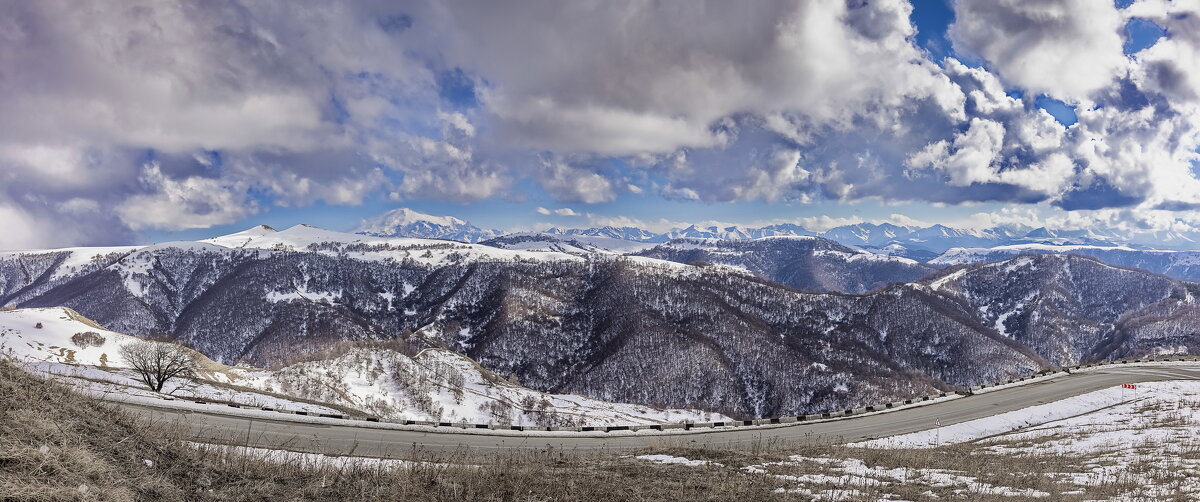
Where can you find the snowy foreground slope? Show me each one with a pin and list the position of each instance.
(1112, 444)
(435, 385)
(1161, 417)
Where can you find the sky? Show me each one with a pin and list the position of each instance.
(135, 122)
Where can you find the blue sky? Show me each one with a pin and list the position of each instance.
(204, 121)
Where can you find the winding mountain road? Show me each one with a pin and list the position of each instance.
(218, 424)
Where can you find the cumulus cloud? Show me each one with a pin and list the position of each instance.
(569, 183)
(969, 159)
(192, 202)
(23, 230)
(1172, 65)
(1068, 49)
(100, 86)
(565, 211)
(683, 67)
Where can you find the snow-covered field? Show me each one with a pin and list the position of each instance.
(434, 385)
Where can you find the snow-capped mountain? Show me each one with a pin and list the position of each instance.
(918, 243)
(631, 329)
(567, 243)
(405, 222)
(1166, 239)
(737, 232)
(866, 234)
(730, 232)
(608, 232)
(1088, 237)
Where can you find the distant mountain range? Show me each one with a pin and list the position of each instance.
(918, 243)
(1178, 264)
(804, 263)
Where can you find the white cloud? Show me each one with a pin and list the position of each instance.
(79, 206)
(1172, 65)
(192, 202)
(1068, 49)
(969, 159)
(31, 224)
(25, 231)
(1050, 176)
(566, 211)
(684, 68)
(458, 123)
(568, 183)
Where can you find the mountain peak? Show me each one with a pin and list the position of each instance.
(406, 216)
(405, 222)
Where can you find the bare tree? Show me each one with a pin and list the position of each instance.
(158, 362)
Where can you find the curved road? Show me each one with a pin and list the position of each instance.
(370, 440)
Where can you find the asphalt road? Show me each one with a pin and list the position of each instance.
(356, 439)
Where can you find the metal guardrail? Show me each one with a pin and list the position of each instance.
(829, 415)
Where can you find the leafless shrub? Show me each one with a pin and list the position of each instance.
(456, 381)
(87, 339)
(498, 412)
(158, 362)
